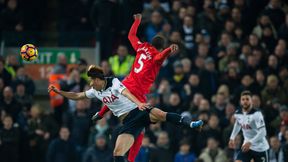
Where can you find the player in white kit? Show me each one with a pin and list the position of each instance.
(251, 121)
(134, 115)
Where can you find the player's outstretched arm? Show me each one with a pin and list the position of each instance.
(130, 96)
(132, 36)
(69, 95)
(166, 53)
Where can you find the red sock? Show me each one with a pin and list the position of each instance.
(134, 150)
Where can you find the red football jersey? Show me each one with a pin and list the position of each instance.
(147, 63)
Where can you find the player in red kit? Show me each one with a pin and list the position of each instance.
(145, 69)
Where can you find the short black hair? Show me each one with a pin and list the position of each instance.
(158, 42)
(95, 72)
(246, 93)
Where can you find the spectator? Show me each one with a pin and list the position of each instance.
(106, 68)
(272, 91)
(175, 38)
(12, 65)
(184, 153)
(274, 11)
(61, 66)
(276, 152)
(273, 66)
(208, 20)
(163, 151)
(41, 128)
(1, 88)
(251, 65)
(122, 62)
(146, 150)
(231, 79)
(154, 5)
(12, 17)
(203, 50)
(178, 79)
(4, 74)
(264, 21)
(164, 91)
(211, 130)
(174, 103)
(62, 149)
(178, 18)
(186, 66)
(283, 30)
(224, 89)
(78, 121)
(9, 103)
(282, 54)
(9, 141)
(82, 67)
(246, 84)
(219, 106)
(268, 38)
(204, 105)
(229, 55)
(194, 105)
(99, 151)
(188, 33)
(21, 97)
(23, 78)
(212, 152)
(192, 87)
(154, 26)
(260, 80)
(209, 78)
(71, 83)
(100, 128)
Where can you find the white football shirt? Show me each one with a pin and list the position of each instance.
(250, 124)
(112, 97)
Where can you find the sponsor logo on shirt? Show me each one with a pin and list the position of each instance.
(109, 99)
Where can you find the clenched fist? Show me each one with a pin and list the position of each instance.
(174, 48)
(53, 88)
(137, 16)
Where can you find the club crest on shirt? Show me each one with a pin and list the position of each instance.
(109, 99)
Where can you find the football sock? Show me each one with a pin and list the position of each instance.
(119, 159)
(178, 119)
(182, 120)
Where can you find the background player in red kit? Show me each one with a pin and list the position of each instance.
(145, 69)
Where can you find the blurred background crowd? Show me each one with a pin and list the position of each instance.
(226, 46)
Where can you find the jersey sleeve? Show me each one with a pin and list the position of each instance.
(132, 36)
(118, 86)
(162, 55)
(259, 120)
(90, 93)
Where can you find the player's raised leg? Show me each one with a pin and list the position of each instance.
(157, 115)
(123, 143)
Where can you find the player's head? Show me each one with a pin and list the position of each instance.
(158, 42)
(96, 75)
(246, 100)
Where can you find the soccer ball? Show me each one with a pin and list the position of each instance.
(29, 52)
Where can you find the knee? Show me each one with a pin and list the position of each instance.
(161, 115)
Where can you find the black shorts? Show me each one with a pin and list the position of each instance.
(135, 122)
(256, 156)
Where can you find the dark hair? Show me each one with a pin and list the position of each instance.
(246, 93)
(95, 72)
(158, 42)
